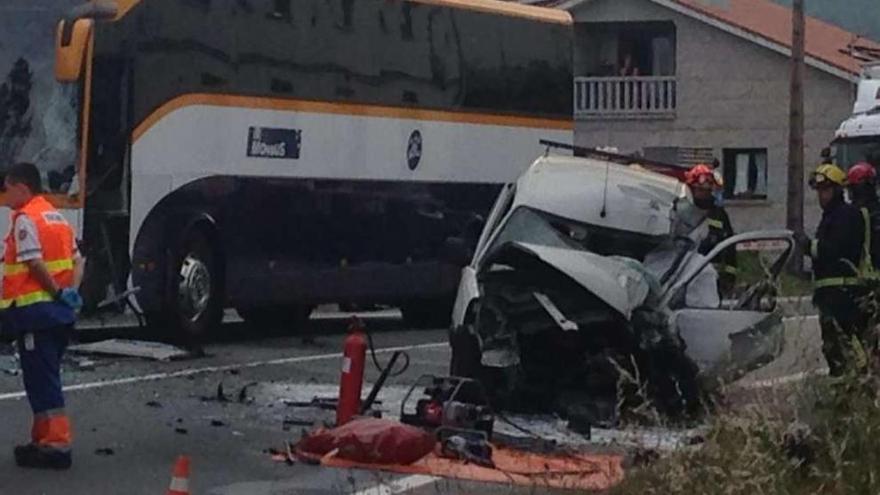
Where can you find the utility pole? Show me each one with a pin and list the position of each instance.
(794, 211)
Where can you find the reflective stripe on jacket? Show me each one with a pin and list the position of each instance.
(20, 287)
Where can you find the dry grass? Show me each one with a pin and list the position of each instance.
(822, 438)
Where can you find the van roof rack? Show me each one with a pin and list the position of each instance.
(662, 167)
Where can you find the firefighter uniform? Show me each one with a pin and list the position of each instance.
(861, 180)
(41, 324)
(725, 264)
(704, 183)
(839, 253)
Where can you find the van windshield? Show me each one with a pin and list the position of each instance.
(531, 226)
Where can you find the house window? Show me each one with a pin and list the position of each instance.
(745, 173)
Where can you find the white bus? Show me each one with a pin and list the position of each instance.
(272, 155)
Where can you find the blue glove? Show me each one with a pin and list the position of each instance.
(71, 298)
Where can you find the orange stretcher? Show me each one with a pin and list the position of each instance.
(570, 471)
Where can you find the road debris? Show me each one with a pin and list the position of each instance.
(287, 423)
(86, 364)
(219, 395)
(154, 404)
(218, 423)
(242, 394)
(473, 450)
(104, 452)
(182, 431)
(132, 348)
(286, 456)
(10, 364)
(325, 403)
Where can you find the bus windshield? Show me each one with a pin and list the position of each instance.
(850, 151)
(38, 115)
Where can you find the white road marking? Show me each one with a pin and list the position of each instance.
(218, 369)
(400, 485)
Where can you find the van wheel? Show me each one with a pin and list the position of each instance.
(197, 289)
(277, 319)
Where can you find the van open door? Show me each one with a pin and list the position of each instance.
(745, 333)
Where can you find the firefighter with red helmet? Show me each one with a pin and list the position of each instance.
(703, 183)
(861, 182)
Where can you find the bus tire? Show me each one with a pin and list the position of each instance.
(428, 313)
(197, 289)
(281, 320)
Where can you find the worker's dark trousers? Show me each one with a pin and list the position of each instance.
(41, 357)
(841, 318)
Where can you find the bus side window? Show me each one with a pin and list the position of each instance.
(406, 24)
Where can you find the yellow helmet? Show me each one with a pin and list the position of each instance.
(826, 173)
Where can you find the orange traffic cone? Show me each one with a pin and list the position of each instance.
(180, 477)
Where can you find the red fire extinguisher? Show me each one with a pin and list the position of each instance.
(351, 380)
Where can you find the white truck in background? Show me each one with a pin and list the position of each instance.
(858, 137)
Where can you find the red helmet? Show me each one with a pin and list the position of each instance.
(861, 173)
(701, 175)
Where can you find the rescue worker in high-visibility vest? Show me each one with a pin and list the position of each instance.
(703, 183)
(839, 256)
(861, 182)
(41, 271)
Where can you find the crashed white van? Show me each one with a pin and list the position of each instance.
(588, 270)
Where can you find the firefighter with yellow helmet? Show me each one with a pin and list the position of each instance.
(839, 255)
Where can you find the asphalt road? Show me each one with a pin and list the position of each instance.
(147, 413)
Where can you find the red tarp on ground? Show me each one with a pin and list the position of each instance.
(385, 445)
(370, 440)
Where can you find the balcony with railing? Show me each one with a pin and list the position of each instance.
(625, 70)
(625, 97)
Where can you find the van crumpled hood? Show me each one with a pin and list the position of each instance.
(614, 280)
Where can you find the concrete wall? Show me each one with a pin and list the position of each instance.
(732, 93)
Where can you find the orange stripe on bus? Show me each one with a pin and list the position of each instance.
(253, 102)
(123, 6)
(500, 7)
(507, 8)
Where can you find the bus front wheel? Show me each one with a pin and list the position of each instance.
(196, 291)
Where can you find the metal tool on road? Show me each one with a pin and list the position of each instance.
(467, 447)
(449, 402)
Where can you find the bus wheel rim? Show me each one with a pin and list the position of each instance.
(195, 287)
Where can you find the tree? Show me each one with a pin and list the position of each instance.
(794, 212)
